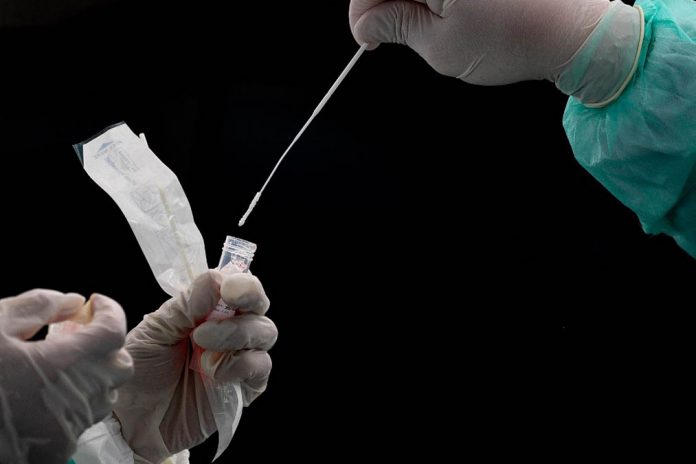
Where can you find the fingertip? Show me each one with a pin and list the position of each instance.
(108, 323)
(245, 292)
(98, 298)
(103, 303)
(74, 299)
(252, 367)
(360, 40)
(208, 280)
(209, 336)
(370, 46)
(363, 32)
(400, 22)
(68, 305)
(235, 286)
(45, 306)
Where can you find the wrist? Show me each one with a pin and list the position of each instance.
(605, 63)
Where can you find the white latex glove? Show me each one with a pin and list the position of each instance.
(52, 390)
(164, 408)
(488, 42)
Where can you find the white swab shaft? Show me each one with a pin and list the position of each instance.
(316, 111)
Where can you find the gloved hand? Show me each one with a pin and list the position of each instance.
(164, 408)
(488, 42)
(52, 390)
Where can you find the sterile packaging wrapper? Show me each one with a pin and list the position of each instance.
(152, 199)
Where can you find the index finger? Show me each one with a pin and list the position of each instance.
(24, 315)
(244, 291)
(358, 8)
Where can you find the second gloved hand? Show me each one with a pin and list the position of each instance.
(164, 408)
(489, 42)
(52, 390)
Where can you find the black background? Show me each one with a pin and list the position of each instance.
(431, 249)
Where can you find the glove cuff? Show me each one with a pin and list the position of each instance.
(103, 442)
(600, 70)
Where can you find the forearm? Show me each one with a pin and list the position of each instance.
(599, 70)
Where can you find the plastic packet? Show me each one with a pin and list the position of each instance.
(153, 201)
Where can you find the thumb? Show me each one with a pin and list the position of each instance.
(402, 22)
(177, 317)
(104, 333)
(24, 315)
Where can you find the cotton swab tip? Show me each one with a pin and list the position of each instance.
(252, 205)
